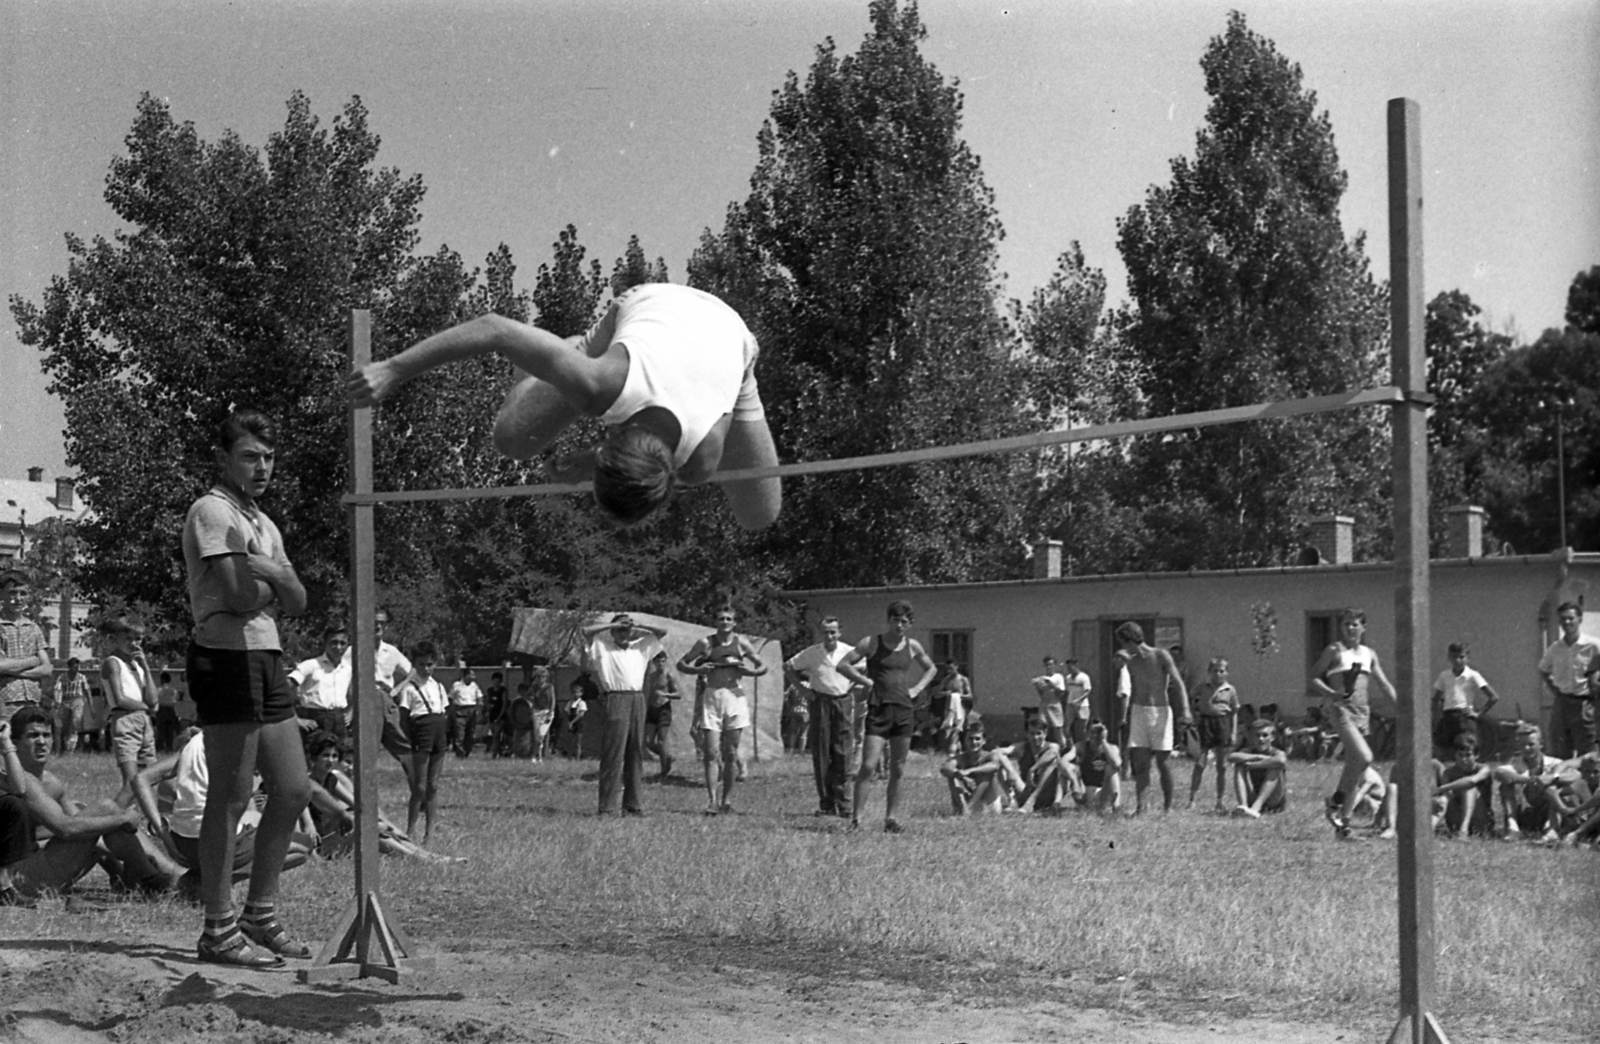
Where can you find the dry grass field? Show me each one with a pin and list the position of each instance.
(772, 924)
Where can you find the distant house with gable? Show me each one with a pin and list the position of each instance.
(24, 504)
(1270, 624)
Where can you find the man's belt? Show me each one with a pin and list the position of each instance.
(826, 695)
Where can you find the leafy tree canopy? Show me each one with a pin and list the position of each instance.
(1245, 290)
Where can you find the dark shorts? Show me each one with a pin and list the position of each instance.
(230, 686)
(661, 716)
(1452, 724)
(890, 721)
(1213, 730)
(429, 734)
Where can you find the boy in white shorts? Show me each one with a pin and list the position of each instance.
(723, 713)
(1147, 675)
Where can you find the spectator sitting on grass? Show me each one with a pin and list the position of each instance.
(976, 777)
(1572, 794)
(1033, 777)
(333, 802)
(1467, 788)
(1524, 783)
(1216, 708)
(183, 781)
(1582, 820)
(78, 836)
(1260, 773)
(1094, 770)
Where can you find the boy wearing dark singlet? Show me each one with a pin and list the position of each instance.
(892, 660)
(1095, 767)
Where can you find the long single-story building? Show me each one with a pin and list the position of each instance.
(1270, 624)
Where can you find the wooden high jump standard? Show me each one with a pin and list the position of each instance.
(1413, 749)
(365, 942)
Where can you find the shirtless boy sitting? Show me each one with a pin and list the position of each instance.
(77, 836)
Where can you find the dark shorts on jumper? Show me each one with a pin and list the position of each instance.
(231, 686)
(891, 721)
(661, 716)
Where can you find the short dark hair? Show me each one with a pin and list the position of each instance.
(634, 473)
(1130, 632)
(900, 607)
(166, 676)
(1459, 649)
(321, 741)
(1466, 741)
(424, 650)
(32, 714)
(1353, 612)
(246, 423)
(1570, 604)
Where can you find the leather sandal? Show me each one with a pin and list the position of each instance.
(270, 935)
(237, 951)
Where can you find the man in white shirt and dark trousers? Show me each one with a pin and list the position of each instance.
(322, 684)
(1568, 670)
(617, 655)
(831, 737)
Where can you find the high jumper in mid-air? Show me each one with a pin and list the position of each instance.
(669, 370)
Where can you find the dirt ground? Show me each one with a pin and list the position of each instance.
(64, 991)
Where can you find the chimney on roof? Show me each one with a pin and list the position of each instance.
(1046, 559)
(1465, 531)
(1334, 538)
(35, 474)
(64, 492)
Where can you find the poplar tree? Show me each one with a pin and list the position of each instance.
(1245, 289)
(864, 259)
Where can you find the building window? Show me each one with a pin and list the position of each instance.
(1322, 630)
(953, 645)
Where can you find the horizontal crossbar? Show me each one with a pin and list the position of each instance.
(1385, 396)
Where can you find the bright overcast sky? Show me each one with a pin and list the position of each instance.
(641, 117)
